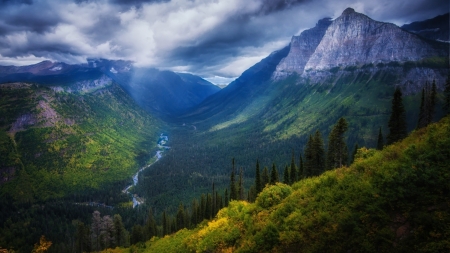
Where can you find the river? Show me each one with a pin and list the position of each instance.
(163, 139)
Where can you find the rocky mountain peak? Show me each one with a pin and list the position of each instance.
(348, 11)
(301, 49)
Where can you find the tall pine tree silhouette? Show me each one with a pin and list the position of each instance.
(447, 96)
(380, 141)
(397, 121)
(337, 154)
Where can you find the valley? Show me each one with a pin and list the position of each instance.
(83, 144)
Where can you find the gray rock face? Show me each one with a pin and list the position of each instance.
(301, 49)
(355, 39)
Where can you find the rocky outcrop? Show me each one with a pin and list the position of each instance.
(355, 39)
(301, 49)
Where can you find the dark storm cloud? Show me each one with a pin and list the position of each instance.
(206, 37)
(31, 18)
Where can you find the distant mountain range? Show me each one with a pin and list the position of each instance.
(436, 28)
(162, 92)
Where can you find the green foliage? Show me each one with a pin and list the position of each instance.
(391, 200)
(273, 195)
(91, 140)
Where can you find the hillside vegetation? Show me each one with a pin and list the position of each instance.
(397, 199)
(58, 143)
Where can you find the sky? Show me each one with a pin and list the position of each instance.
(215, 39)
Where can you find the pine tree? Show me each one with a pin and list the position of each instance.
(380, 141)
(286, 177)
(265, 179)
(432, 106)
(301, 168)
(447, 96)
(180, 217)
(427, 105)
(309, 157)
(194, 212)
(319, 154)
(293, 170)
(422, 117)
(165, 223)
(241, 184)
(213, 200)
(233, 190)
(120, 231)
(203, 214)
(397, 121)
(258, 184)
(208, 210)
(337, 148)
(274, 178)
(226, 197)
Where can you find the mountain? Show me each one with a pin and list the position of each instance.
(271, 109)
(436, 28)
(162, 92)
(394, 200)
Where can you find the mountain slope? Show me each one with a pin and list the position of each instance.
(391, 200)
(55, 143)
(436, 28)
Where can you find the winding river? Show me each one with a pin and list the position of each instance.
(161, 145)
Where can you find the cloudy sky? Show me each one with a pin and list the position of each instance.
(216, 39)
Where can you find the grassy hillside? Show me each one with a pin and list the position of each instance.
(55, 143)
(396, 199)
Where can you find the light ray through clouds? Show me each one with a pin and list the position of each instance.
(211, 38)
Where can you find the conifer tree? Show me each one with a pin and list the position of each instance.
(165, 223)
(208, 210)
(203, 208)
(309, 157)
(180, 217)
(226, 197)
(427, 105)
(120, 231)
(233, 190)
(274, 178)
(422, 117)
(241, 184)
(319, 154)
(397, 121)
(447, 96)
(380, 141)
(301, 168)
(337, 147)
(432, 106)
(293, 177)
(265, 179)
(286, 176)
(258, 183)
(194, 212)
(213, 209)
